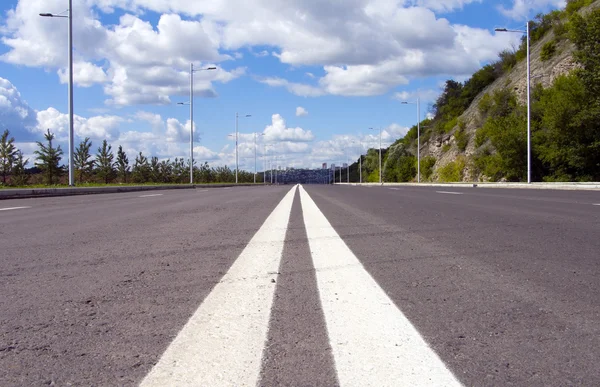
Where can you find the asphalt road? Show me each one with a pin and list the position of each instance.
(311, 286)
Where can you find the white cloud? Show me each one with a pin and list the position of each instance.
(155, 120)
(522, 9)
(15, 114)
(299, 89)
(85, 74)
(481, 44)
(301, 112)
(176, 131)
(366, 47)
(427, 95)
(97, 128)
(143, 64)
(444, 5)
(278, 131)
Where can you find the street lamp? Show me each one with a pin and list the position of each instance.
(191, 103)
(380, 180)
(418, 103)
(255, 134)
(236, 145)
(269, 161)
(359, 160)
(526, 32)
(70, 59)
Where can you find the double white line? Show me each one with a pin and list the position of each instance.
(373, 343)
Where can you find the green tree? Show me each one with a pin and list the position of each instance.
(585, 33)
(8, 152)
(141, 170)
(568, 142)
(19, 174)
(122, 164)
(400, 165)
(105, 166)
(48, 158)
(156, 171)
(166, 171)
(82, 160)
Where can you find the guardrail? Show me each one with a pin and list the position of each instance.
(18, 193)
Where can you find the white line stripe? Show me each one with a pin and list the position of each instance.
(227, 188)
(150, 196)
(222, 343)
(13, 208)
(395, 189)
(449, 192)
(204, 190)
(373, 343)
(597, 204)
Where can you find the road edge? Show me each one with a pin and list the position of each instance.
(553, 186)
(23, 193)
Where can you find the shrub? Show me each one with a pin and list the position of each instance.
(548, 50)
(448, 126)
(453, 171)
(446, 148)
(485, 103)
(462, 140)
(427, 164)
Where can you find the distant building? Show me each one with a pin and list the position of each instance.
(345, 165)
(333, 166)
(324, 165)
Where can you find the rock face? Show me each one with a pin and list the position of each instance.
(444, 148)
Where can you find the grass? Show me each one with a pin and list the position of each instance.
(90, 185)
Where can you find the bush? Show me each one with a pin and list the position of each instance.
(575, 5)
(446, 148)
(485, 103)
(481, 137)
(548, 50)
(462, 139)
(427, 164)
(453, 172)
(448, 126)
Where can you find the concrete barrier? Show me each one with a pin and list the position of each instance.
(557, 186)
(18, 193)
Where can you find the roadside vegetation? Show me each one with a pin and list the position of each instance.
(102, 168)
(565, 116)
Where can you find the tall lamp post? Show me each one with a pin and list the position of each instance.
(191, 103)
(418, 103)
(526, 32)
(359, 160)
(380, 180)
(70, 59)
(236, 145)
(256, 134)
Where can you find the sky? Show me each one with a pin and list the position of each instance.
(314, 75)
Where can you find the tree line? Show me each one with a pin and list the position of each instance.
(104, 166)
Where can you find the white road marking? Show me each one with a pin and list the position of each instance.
(222, 343)
(204, 190)
(373, 343)
(449, 192)
(227, 188)
(150, 196)
(13, 208)
(395, 189)
(597, 204)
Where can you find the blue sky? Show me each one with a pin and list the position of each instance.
(346, 64)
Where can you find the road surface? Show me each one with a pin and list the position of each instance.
(302, 286)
